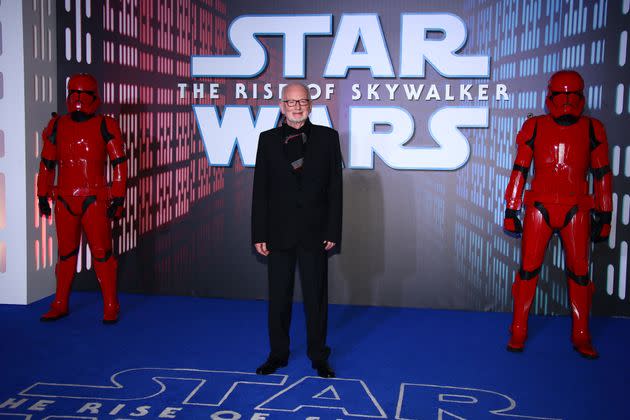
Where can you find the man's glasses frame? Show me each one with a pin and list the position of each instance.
(293, 102)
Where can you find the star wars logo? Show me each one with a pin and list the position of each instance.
(433, 38)
(225, 395)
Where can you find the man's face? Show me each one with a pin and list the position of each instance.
(296, 104)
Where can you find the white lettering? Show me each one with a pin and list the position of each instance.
(447, 93)
(413, 91)
(366, 29)
(197, 90)
(330, 89)
(238, 130)
(143, 410)
(432, 94)
(268, 91)
(392, 90)
(92, 407)
(453, 148)
(318, 91)
(365, 141)
(464, 92)
(214, 91)
(254, 90)
(40, 405)
(219, 415)
(182, 90)
(501, 90)
(12, 403)
(483, 92)
(251, 56)
(372, 93)
(417, 48)
(116, 409)
(353, 397)
(169, 412)
(239, 91)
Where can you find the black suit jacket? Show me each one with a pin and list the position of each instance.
(286, 213)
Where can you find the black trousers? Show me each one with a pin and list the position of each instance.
(313, 266)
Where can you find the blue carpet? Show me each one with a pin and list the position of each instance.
(193, 358)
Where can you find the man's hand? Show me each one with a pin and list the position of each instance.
(261, 248)
(600, 226)
(44, 206)
(512, 224)
(115, 209)
(328, 245)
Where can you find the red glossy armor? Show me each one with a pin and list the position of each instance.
(75, 151)
(559, 201)
(565, 94)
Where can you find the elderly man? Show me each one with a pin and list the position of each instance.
(296, 217)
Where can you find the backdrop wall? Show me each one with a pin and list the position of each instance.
(422, 219)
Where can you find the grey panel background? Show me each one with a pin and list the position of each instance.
(40, 64)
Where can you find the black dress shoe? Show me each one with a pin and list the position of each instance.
(270, 366)
(323, 369)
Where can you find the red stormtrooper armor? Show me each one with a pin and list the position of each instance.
(76, 148)
(564, 145)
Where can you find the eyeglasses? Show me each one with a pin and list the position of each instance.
(293, 102)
